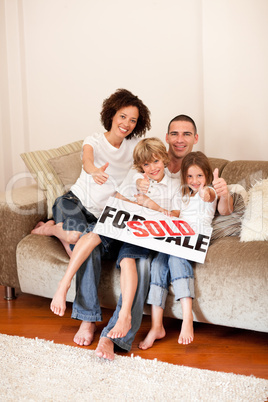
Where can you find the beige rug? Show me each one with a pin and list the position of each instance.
(38, 370)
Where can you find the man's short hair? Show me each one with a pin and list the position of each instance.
(183, 117)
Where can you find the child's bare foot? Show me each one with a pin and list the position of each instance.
(187, 332)
(58, 304)
(105, 349)
(153, 335)
(85, 334)
(121, 327)
(43, 228)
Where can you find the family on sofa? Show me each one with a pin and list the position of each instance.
(107, 158)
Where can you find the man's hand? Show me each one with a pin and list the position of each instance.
(99, 175)
(143, 184)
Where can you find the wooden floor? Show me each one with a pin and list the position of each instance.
(214, 347)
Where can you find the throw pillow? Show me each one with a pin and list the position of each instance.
(230, 225)
(255, 220)
(43, 172)
(68, 168)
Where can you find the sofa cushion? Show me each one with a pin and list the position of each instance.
(43, 172)
(245, 173)
(255, 220)
(68, 168)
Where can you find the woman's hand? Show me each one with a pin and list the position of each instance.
(99, 175)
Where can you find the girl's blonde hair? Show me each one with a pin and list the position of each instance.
(199, 159)
(147, 150)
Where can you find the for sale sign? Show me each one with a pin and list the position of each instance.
(132, 223)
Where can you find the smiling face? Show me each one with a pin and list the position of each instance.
(154, 169)
(195, 178)
(181, 139)
(124, 121)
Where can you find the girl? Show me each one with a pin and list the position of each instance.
(196, 203)
(107, 157)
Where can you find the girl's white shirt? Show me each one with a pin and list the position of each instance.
(92, 195)
(195, 211)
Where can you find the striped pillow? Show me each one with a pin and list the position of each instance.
(42, 171)
(229, 225)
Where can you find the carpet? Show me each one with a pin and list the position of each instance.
(39, 370)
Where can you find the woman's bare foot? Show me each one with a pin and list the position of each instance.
(43, 228)
(105, 349)
(85, 334)
(187, 332)
(58, 304)
(153, 335)
(121, 327)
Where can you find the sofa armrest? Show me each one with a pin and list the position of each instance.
(20, 210)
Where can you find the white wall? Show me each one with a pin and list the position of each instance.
(235, 52)
(61, 58)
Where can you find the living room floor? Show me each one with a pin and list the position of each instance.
(215, 348)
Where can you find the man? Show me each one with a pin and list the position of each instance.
(181, 137)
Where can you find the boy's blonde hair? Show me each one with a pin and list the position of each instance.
(148, 150)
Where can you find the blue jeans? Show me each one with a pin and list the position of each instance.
(166, 269)
(143, 270)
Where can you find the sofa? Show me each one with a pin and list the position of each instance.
(230, 287)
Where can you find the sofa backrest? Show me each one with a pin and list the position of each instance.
(245, 173)
(218, 163)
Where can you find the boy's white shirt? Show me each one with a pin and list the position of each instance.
(162, 193)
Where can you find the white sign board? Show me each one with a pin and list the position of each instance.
(132, 223)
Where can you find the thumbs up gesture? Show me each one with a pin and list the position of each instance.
(219, 184)
(99, 175)
(204, 193)
(143, 184)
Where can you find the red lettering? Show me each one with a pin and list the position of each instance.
(154, 228)
(168, 229)
(184, 227)
(135, 225)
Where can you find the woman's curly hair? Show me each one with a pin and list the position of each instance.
(124, 98)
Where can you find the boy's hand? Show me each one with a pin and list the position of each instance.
(219, 184)
(99, 175)
(142, 199)
(143, 184)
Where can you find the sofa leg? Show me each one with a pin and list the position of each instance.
(10, 293)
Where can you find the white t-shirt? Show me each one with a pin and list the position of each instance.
(92, 195)
(197, 212)
(162, 193)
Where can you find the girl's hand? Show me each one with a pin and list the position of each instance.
(99, 175)
(143, 184)
(204, 193)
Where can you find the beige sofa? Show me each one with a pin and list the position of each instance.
(231, 287)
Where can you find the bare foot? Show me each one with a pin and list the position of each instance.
(121, 327)
(85, 334)
(187, 332)
(152, 335)
(42, 228)
(105, 349)
(58, 304)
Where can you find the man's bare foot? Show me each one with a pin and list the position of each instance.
(121, 327)
(152, 335)
(85, 334)
(105, 349)
(187, 332)
(43, 228)
(58, 304)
